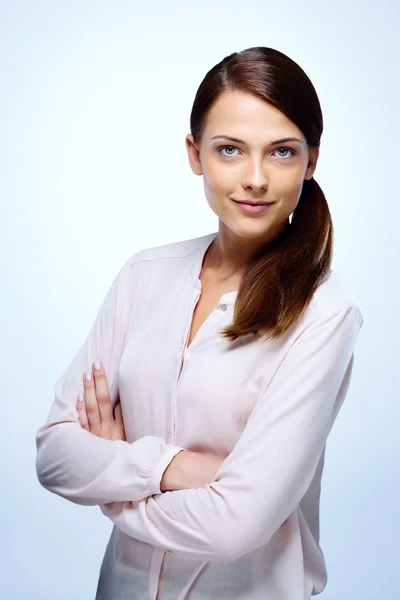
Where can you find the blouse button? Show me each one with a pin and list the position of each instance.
(224, 307)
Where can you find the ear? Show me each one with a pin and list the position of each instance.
(193, 155)
(313, 154)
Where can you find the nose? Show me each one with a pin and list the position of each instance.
(256, 178)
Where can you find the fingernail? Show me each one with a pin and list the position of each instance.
(97, 365)
(80, 397)
(88, 376)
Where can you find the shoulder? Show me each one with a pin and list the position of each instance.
(333, 296)
(166, 260)
(179, 249)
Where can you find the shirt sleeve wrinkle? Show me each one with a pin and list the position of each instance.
(78, 465)
(264, 478)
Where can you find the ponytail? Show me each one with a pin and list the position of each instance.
(279, 283)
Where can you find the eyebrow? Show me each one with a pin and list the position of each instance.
(281, 141)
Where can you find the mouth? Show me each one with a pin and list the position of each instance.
(252, 203)
(252, 208)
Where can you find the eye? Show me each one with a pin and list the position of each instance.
(283, 148)
(223, 148)
(293, 152)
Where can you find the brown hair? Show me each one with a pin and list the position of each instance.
(279, 283)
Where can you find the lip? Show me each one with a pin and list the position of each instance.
(250, 202)
(253, 208)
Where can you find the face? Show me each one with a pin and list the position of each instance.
(257, 166)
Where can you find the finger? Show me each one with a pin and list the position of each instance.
(118, 414)
(103, 395)
(81, 408)
(92, 409)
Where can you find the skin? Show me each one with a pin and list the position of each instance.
(255, 169)
(95, 411)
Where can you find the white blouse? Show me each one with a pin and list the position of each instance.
(265, 407)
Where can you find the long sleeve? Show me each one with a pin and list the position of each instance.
(76, 464)
(270, 468)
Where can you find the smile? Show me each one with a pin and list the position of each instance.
(252, 209)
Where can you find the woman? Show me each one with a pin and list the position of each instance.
(224, 361)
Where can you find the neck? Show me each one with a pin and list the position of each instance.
(229, 254)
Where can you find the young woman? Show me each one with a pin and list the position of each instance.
(224, 361)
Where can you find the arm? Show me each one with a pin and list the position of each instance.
(189, 470)
(269, 470)
(78, 465)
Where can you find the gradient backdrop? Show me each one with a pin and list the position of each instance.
(94, 106)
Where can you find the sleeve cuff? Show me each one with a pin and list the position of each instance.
(155, 479)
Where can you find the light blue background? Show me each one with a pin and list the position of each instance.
(94, 102)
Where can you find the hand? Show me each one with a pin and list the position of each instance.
(95, 411)
(188, 470)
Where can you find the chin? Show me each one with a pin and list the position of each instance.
(249, 230)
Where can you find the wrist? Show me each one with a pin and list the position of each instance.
(189, 470)
(174, 473)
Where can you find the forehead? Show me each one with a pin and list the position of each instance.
(244, 115)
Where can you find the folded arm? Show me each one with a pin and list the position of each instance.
(76, 464)
(272, 465)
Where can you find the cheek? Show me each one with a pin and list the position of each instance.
(219, 181)
(289, 185)
(217, 174)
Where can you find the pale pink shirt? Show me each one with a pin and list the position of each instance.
(266, 407)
